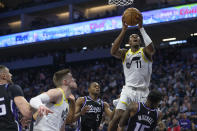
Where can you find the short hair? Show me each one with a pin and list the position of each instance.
(59, 76)
(2, 67)
(155, 96)
(91, 83)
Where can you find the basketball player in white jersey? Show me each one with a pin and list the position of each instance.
(137, 66)
(52, 106)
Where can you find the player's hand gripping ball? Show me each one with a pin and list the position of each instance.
(130, 16)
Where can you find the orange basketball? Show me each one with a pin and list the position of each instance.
(130, 16)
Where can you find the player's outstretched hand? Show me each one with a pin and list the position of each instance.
(43, 110)
(25, 122)
(124, 25)
(71, 97)
(84, 110)
(140, 19)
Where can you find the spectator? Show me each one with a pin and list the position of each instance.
(185, 123)
(175, 126)
(161, 126)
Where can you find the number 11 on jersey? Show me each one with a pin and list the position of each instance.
(139, 64)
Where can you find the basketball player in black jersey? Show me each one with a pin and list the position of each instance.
(143, 116)
(11, 98)
(90, 109)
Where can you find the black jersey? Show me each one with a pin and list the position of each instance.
(144, 120)
(8, 111)
(91, 120)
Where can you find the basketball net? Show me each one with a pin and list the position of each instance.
(120, 2)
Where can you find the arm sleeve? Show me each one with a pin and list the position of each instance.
(39, 100)
(145, 36)
(16, 91)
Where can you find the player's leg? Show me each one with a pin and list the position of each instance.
(120, 108)
(113, 112)
(143, 94)
(113, 124)
(115, 103)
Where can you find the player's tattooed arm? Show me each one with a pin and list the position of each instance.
(79, 110)
(71, 113)
(130, 112)
(23, 106)
(20, 101)
(115, 50)
(107, 110)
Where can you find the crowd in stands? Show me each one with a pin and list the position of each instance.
(6, 6)
(174, 74)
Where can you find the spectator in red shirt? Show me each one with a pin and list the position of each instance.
(175, 126)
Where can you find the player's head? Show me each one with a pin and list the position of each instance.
(154, 98)
(94, 88)
(5, 74)
(134, 40)
(64, 78)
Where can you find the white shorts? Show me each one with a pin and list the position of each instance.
(129, 94)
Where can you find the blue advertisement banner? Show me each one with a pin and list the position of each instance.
(93, 26)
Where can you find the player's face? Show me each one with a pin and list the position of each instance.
(70, 81)
(6, 75)
(95, 88)
(134, 40)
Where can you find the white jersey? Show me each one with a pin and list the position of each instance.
(55, 120)
(137, 69)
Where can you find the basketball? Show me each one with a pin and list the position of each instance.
(130, 16)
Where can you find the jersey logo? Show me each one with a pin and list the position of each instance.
(128, 64)
(94, 109)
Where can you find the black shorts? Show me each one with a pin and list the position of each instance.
(86, 128)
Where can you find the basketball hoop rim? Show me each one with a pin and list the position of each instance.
(120, 2)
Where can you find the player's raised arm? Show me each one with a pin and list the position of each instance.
(20, 101)
(130, 112)
(71, 113)
(115, 50)
(79, 110)
(23, 106)
(149, 49)
(38, 102)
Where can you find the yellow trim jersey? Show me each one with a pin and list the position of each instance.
(137, 69)
(53, 121)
